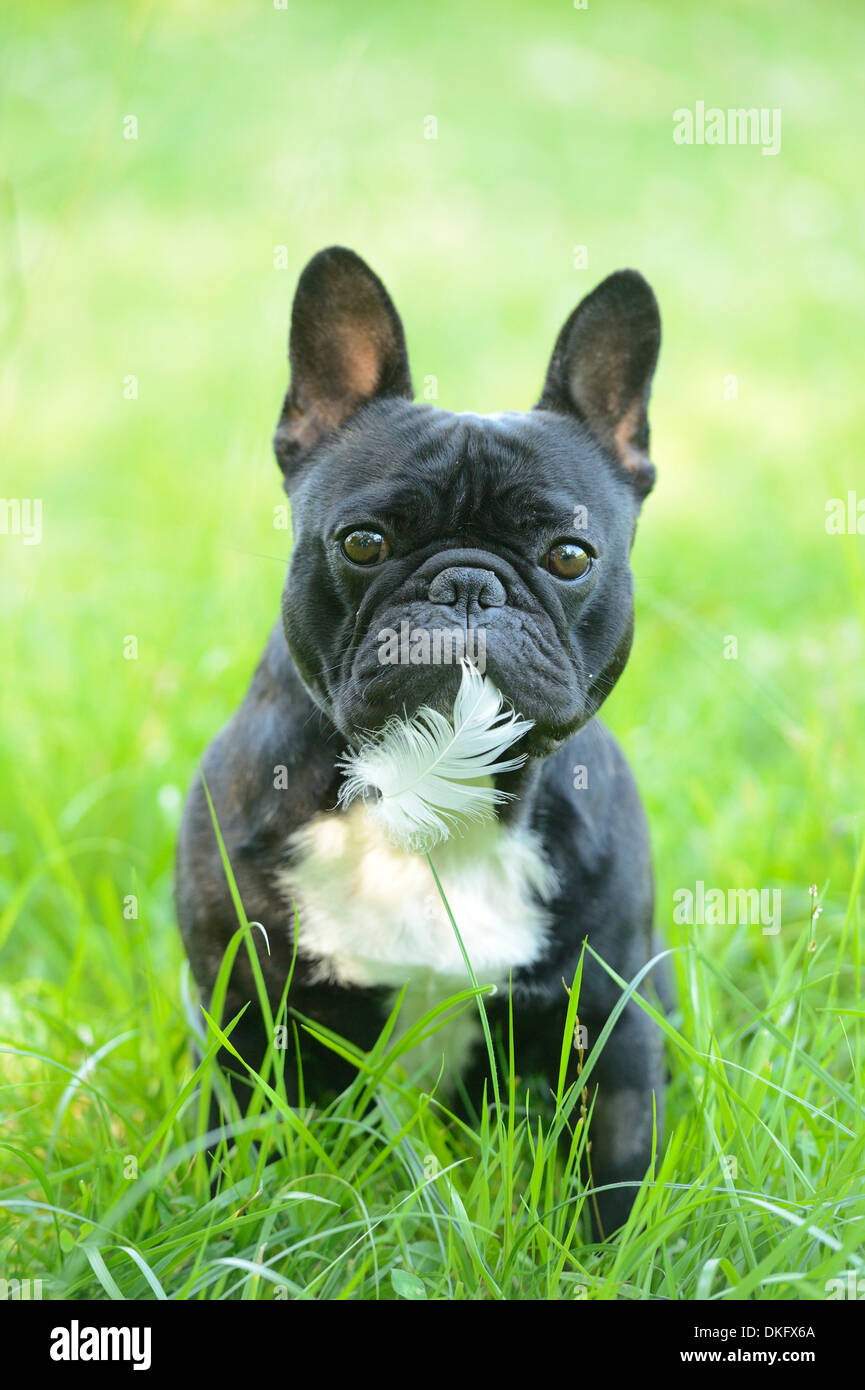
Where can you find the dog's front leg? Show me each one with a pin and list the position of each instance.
(629, 1102)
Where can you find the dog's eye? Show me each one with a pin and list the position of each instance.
(568, 560)
(365, 547)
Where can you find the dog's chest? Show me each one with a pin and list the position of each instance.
(370, 914)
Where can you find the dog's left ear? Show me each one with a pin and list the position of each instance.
(346, 347)
(602, 367)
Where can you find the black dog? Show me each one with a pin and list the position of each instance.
(515, 527)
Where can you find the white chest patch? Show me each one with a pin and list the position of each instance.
(370, 914)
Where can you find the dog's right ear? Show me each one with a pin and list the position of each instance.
(346, 347)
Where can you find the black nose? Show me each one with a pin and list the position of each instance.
(467, 588)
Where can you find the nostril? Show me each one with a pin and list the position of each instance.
(492, 595)
(443, 589)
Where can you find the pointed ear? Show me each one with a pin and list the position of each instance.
(346, 347)
(602, 367)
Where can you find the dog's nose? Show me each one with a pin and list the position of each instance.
(467, 588)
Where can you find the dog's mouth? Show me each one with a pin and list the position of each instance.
(382, 706)
(426, 776)
(551, 713)
(405, 662)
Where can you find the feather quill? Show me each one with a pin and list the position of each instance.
(427, 775)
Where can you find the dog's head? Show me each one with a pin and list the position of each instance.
(422, 535)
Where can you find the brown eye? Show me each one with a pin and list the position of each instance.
(365, 547)
(568, 560)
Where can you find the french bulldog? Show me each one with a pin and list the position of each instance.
(516, 528)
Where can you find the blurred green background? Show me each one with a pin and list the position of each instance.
(157, 258)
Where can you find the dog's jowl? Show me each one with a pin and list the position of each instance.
(354, 753)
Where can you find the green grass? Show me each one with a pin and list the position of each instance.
(155, 258)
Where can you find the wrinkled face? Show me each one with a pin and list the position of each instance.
(423, 537)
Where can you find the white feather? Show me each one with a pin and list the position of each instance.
(430, 772)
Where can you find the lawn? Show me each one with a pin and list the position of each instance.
(165, 173)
